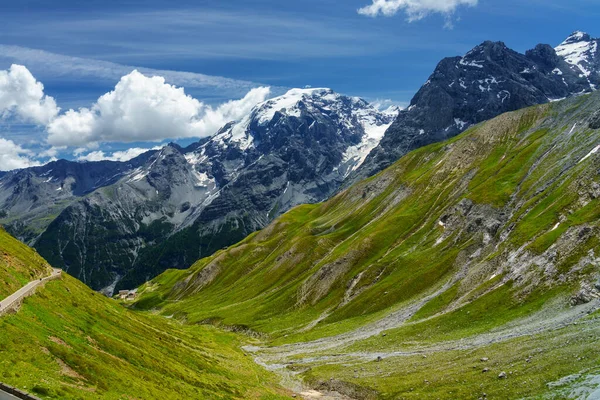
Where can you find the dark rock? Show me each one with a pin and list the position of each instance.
(595, 121)
(586, 294)
(489, 80)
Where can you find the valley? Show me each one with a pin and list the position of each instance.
(435, 267)
(318, 246)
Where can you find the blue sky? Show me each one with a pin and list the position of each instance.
(218, 51)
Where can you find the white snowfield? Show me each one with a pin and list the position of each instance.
(11, 301)
(373, 121)
(579, 52)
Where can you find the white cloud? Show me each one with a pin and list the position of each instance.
(13, 156)
(144, 108)
(22, 96)
(124, 155)
(414, 9)
(58, 67)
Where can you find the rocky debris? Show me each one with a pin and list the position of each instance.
(595, 121)
(469, 218)
(486, 370)
(485, 359)
(586, 294)
(502, 375)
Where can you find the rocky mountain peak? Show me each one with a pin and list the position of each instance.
(487, 81)
(580, 51)
(576, 37)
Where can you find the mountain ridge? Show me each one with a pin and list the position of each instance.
(487, 81)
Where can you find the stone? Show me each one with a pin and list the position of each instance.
(502, 375)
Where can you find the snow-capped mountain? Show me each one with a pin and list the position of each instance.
(487, 81)
(353, 117)
(580, 50)
(180, 204)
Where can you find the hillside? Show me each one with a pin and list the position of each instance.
(68, 342)
(18, 264)
(461, 265)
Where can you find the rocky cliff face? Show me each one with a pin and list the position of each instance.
(31, 198)
(185, 203)
(489, 80)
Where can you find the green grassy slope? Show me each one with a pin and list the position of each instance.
(18, 264)
(496, 228)
(68, 342)
(382, 242)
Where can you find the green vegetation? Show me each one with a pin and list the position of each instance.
(18, 264)
(68, 342)
(459, 374)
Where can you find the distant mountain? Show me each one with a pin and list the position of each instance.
(489, 80)
(170, 207)
(580, 51)
(31, 198)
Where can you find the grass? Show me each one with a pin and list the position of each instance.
(458, 374)
(68, 342)
(477, 211)
(18, 265)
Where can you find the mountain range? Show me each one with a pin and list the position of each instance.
(468, 268)
(115, 225)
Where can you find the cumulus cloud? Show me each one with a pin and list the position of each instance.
(22, 96)
(142, 108)
(13, 156)
(122, 156)
(414, 9)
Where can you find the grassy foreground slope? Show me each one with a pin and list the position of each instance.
(68, 342)
(464, 246)
(18, 265)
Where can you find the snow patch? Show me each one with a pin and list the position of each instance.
(591, 153)
(573, 128)
(476, 64)
(288, 103)
(460, 124)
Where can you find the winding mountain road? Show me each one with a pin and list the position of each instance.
(27, 290)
